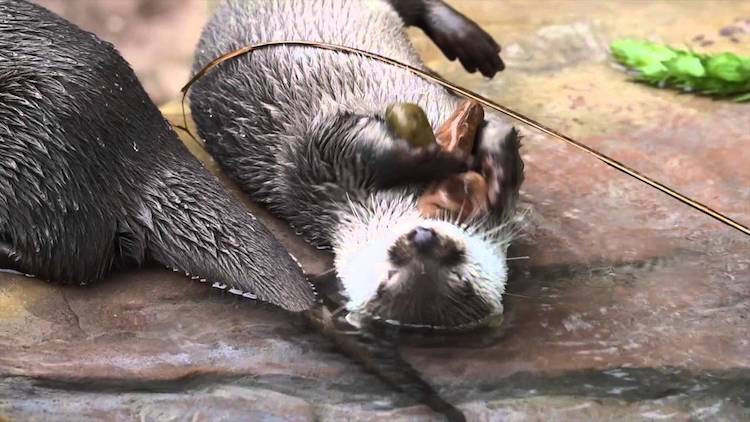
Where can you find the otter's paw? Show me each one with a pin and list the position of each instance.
(403, 164)
(413, 155)
(458, 37)
(460, 196)
(502, 168)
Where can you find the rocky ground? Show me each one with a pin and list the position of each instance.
(630, 306)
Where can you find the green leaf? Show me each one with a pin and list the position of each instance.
(720, 75)
(637, 54)
(654, 70)
(687, 65)
(745, 65)
(726, 66)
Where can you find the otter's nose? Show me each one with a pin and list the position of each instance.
(423, 238)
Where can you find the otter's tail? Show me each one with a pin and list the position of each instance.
(193, 225)
(379, 354)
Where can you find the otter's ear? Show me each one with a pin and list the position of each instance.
(502, 167)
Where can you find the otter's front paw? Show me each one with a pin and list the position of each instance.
(459, 37)
(502, 167)
(403, 164)
(413, 156)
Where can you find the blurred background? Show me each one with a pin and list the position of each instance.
(156, 37)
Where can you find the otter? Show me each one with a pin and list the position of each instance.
(303, 132)
(93, 178)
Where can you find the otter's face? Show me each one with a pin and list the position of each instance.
(406, 270)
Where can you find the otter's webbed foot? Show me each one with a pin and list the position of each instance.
(456, 35)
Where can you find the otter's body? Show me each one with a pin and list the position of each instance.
(302, 130)
(92, 178)
(290, 95)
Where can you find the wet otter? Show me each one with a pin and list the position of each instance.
(92, 178)
(302, 131)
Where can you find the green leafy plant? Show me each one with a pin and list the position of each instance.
(717, 75)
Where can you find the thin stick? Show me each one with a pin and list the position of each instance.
(486, 102)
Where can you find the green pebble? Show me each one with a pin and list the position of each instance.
(409, 122)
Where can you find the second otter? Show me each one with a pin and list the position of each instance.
(302, 130)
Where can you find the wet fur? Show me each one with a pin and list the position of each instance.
(274, 128)
(302, 131)
(92, 178)
(271, 125)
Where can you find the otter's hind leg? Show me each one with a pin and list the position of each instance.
(455, 34)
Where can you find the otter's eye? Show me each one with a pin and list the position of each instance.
(398, 254)
(453, 256)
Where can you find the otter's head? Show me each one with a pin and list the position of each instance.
(401, 268)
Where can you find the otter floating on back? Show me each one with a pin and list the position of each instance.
(302, 131)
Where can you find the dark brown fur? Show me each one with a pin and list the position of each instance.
(92, 178)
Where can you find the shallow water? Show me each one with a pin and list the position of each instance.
(630, 306)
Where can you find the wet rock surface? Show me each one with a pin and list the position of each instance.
(630, 305)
